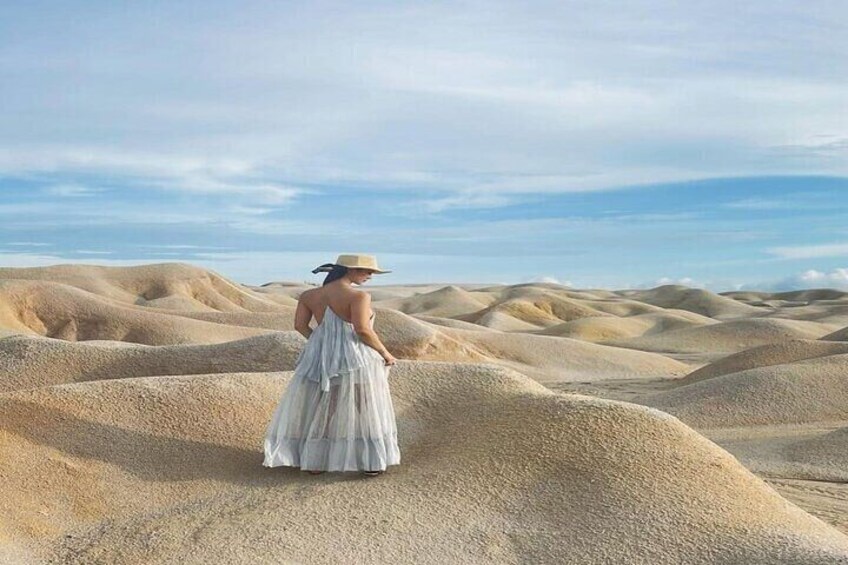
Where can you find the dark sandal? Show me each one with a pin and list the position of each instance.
(372, 473)
(314, 472)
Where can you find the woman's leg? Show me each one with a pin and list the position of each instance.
(331, 411)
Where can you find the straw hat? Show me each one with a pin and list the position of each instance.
(353, 261)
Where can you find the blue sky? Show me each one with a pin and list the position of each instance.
(593, 144)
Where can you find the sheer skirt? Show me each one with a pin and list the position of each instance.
(349, 427)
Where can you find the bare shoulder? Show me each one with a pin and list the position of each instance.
(308, 297)
(360, 298)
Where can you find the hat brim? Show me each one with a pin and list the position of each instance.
(375, 271)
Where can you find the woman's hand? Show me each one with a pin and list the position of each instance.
(389, 358)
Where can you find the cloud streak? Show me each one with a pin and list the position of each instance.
(262, 102)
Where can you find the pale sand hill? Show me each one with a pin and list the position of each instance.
(448, 302)
(451, 323)
(162, 284)
(600, 329)
(767, 355)
(504, 321)
(828, 454)
(822, 305)
(167, 470)
(809, 390)
(809, 295)
(29, 362)
(554, 359)
(695, 300)
(537, 312)
(281, 321)
(753, 297)
(66, 312)
(838, 335)
(381, 293)
(597, 293)
(726, 337)
(815, 452)
(814, 312)
(621, 307)
(537, 289)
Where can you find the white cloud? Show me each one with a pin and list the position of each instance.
(549, 279)
(145, 170)
(811, 278)
(685, 281)
(70, 190)
(183, 246)
(761, 204)
(20, 260)
(806, 200)
(837, 276)
(809, 251)
(541, 97)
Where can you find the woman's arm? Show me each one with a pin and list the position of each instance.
(360, 311)
(302, 317)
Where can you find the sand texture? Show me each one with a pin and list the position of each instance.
(537, 424)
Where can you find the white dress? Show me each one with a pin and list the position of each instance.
(336, 413)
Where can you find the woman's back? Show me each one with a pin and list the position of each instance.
(336, 296)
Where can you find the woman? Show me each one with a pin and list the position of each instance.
(336, 413)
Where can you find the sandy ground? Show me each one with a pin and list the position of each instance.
(537, 423)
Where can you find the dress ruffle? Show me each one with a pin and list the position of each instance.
(335, 350)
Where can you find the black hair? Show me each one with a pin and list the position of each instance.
(334, 272)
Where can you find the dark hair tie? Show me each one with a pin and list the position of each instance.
(325, 268)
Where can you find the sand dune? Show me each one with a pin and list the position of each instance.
(812, 294)
(539, 312)
(814, 312)
(451, 323)
(448, 302)
(600, 329)
(694, 300)
(281, 321)
(66, 312)
(170, 459)
(179, 285)
(822, 305)
(766, 355)
(621, 307)
(553, 359)
(838, 335)
(809, 390)
(597, 329)
(752, 297)
(726, 337)
(827, 455)
(809, 452)
(507, 319)
(29, 362)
